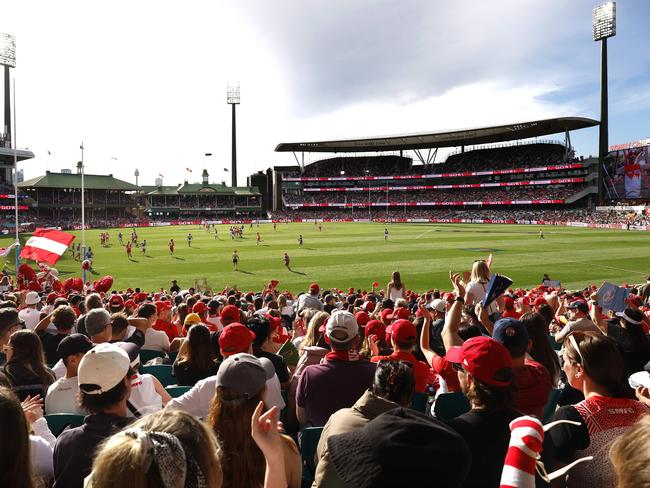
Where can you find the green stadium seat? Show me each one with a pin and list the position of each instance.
(173, 356)
(149, 354)
(161, 371)
(551, 404)
(176, 391)
(450, 405)
(308, 444)
(419, 402)
(59, 421)
(555, 345)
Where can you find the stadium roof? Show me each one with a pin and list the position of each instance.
(65, 180)
(426, 140)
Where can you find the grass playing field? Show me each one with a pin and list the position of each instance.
(355, 254)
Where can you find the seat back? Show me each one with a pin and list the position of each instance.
(419, 402)
(308, 444)
(450, 405)
(59, 421)
(149, 354)
(176, 391)
(161, 371)
(551, 404)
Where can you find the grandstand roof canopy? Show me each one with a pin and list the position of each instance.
(73, 181)
(464, 137)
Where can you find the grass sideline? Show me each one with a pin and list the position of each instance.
(355, 254)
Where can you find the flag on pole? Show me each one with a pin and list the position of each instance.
(46, 246)
(225, 169)
(113, 158)
(4, 251)
(188, 170)
(160, 174)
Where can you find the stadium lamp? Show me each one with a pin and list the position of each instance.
(8, 50)
(604, 21)
(233, 98)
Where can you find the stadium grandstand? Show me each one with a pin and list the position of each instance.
(497, 170)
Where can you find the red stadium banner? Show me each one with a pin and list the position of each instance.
(425, 204)
(555, 167)
(13, 207)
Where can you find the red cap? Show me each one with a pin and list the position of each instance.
(116, 301)
(508, 303)
(314, 288)
(403, 331)
(377, 328)
(236, 338)
(369, 307)
(229, 314)
(400, 313)
(386, 314)
(140, 297)
(200, 308)
(130, 304)
(485, 359)
(633, 299)
(161, 306)
(449, 297)
(156, 297)
(362, 318)
(52, 296)
(540, 301)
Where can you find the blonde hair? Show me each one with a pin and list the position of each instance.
(480, 272)
(630, 455)
(313, 336)
(120, 459)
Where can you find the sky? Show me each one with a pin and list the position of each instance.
(143, 84)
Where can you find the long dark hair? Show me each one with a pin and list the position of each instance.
(395, 381)
(242, 462)
(28, 354)
(396, 281)
(541, 350)
(199, 354)
(15, 461)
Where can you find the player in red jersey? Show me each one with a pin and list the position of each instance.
(171, 247)
(128, 249)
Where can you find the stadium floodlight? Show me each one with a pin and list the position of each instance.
(233, 92)
(233, 98)
(7, 50)
(604, 21)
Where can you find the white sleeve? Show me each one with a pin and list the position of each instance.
(41, 429)
(59, 369)
(273, 397)
(196, 401)
(41, 457)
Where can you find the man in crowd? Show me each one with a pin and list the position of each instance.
(264, 347)
(30, 314)
(310, 300)
(342, 371)
(62, 394)
(578, 311)
(63, 319)
(164, 321)
(9, 323)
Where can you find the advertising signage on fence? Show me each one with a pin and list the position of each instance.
(424, 204)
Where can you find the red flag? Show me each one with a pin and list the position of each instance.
(46, 245)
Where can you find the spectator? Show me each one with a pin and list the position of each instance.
(540, 349)
(395, 288)
(314, 346)
(198, 360)
(148, 395)
(264, 347)
(392, 387)
(401, 447)
(437, 308)
(241, 382)
(213, 319)
(310, 300)
(477, 286)
(403, 338)
(25, 367)
(9, 323)
(343, 371)
(30, 314)
(154, 340)
(173, 448)
(628, 333)
(532, 380)
(62, 394)
(64, 320)
(486, 377)
(593, 365)
(578, 312)
(104, 388)
(164, 321)
(630, 455)
(92, 301)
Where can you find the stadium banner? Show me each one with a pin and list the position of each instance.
(555, 167)
(13, 207)
(424, 204)
(626, 171)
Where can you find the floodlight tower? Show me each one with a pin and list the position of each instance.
(604, 26)
(233, 98)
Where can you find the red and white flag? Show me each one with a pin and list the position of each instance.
(46, 246)
(4, 251)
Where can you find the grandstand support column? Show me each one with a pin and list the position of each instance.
(15, 179)
(567, 145)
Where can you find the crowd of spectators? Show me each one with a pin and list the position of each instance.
(360, 166)
(368, 369)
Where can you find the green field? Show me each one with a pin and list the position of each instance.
(355, 254)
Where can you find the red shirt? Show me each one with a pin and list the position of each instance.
(510, 314)
(446, 371)
(423, 374)
(533, 383)
(167, 327)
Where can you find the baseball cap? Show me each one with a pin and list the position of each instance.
(540, 301)
(230, 314)
(511, 333)
(96, 321)
(508, 303)
(192, 319)
(485, 359)
(403, 330)
(377, 328)
(32, 298)
(631, 315)
(163, 305)
(344, 324)
(73, 344)
(386, 314)
(116, 301)
(391, 449)
(400, 313)
(438, 304)
(245, 374)
(362, 318)
(102, 368)
(314, 288)
(130, 304)
(579, 305)
(235, 338)
(199, 307)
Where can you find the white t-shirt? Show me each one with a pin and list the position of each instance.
(156, 340)
(395, 293)
(144, 396)
(478, 291)
(215, 321)
(31, 316)
(62, 397)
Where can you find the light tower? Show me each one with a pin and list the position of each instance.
(233, 98)
(604, 26)
(136, 174)
(8, 60)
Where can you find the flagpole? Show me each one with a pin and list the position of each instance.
(83, 215)
(16, 184)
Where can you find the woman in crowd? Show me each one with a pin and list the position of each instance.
(198, 360)
(395, 288)
(241, 386)
(594, 366)
(541, 350)
(630, 455)
(181, 312)
(477, 286)
(314, 347)
(285, 309)
(25, 368)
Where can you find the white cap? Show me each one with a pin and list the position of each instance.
(32, 298)
(438, 304)
(342, 321)
(105, 365)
